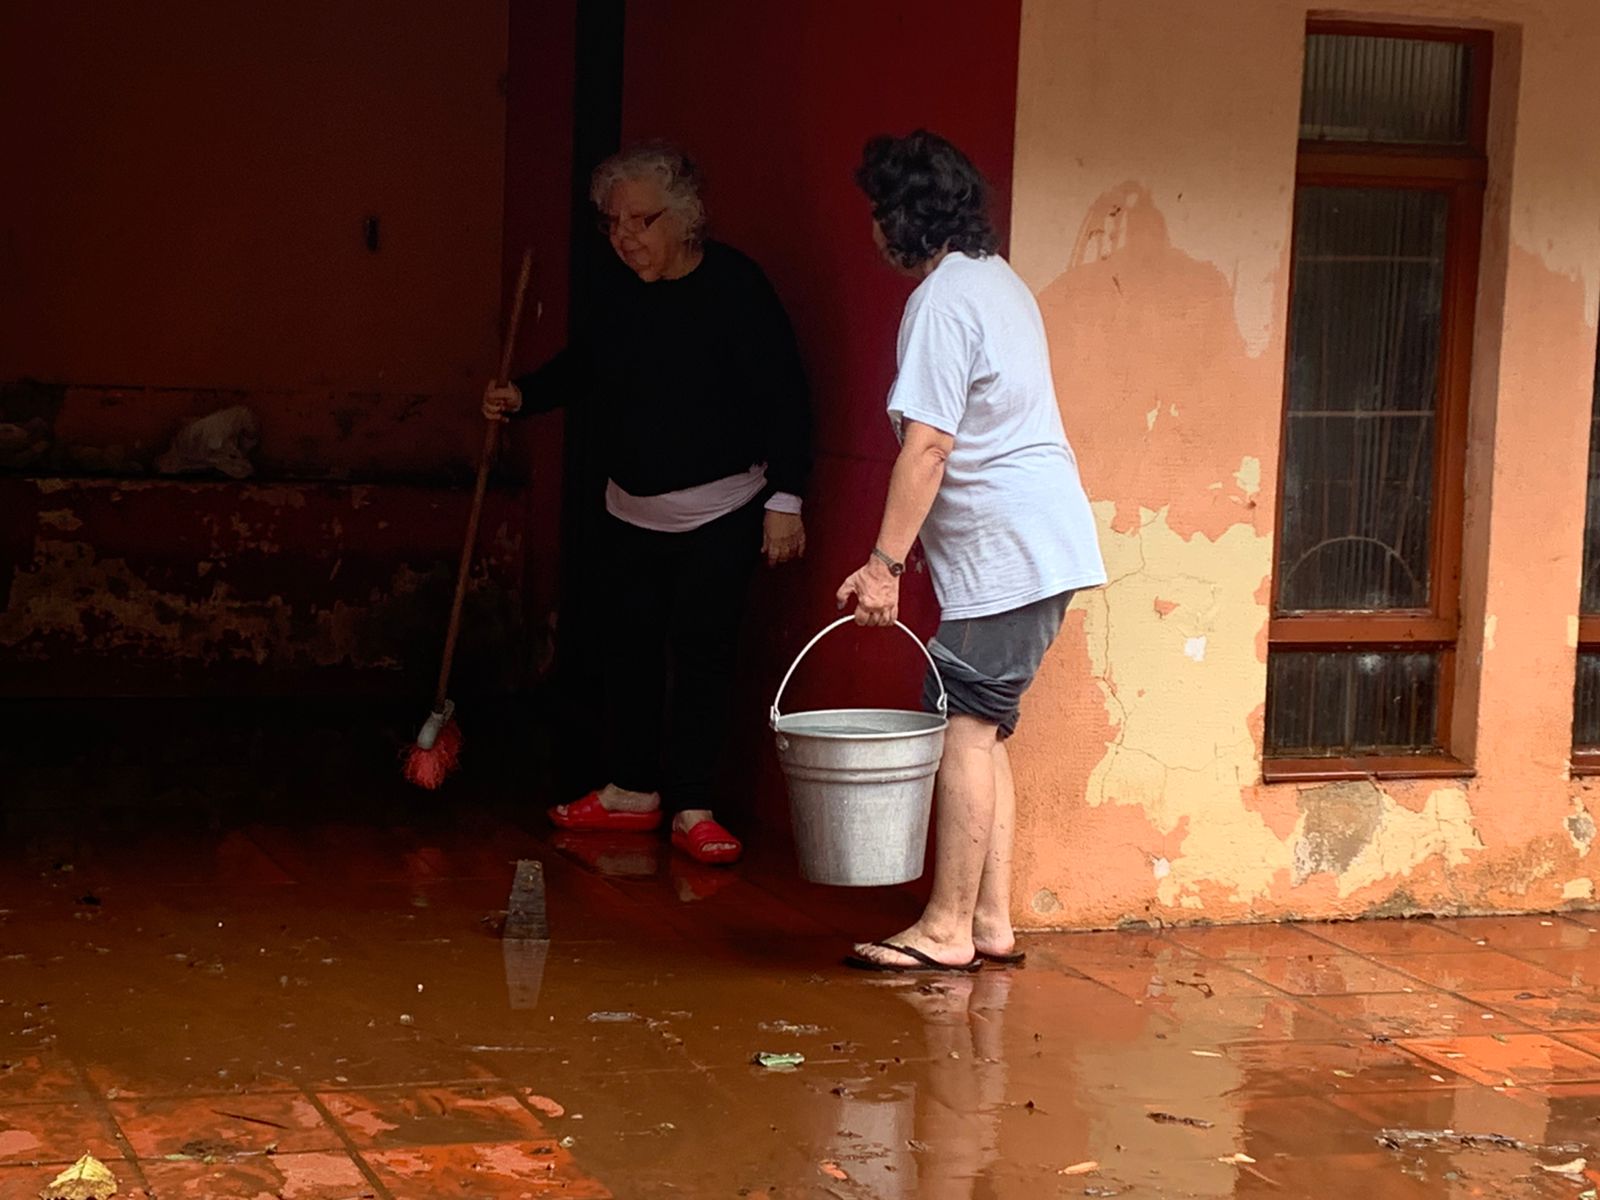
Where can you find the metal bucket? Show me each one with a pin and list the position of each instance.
(860, 784)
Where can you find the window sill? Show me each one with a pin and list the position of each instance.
(1344, 770)
(1585, 764)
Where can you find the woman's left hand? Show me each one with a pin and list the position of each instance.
(783, 538)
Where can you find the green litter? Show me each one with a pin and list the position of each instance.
(779, 1062)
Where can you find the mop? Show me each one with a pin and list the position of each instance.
(438, 747)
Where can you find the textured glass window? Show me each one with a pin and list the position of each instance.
(1386, 90)
(1586, 723)
(1586, 707)
(1352, 702)
(1591, 529)
(1357, 523)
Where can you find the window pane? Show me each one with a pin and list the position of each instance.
(1591, 529)
(1386, 89)
(1356, 530)
(1346, 702)
(1586, 718)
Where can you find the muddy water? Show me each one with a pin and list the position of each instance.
(306, 997)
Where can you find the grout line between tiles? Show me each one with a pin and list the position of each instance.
(354, 1151)
(98, 1101)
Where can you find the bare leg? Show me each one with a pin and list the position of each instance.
(991, 923)
(965, 812)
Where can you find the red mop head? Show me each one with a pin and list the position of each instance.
(436, 754)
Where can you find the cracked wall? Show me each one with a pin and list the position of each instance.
(1152, 215)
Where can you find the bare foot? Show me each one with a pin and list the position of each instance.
(993, 936)
(950, 952)
(615, 799)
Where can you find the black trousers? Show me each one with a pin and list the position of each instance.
(675, 604)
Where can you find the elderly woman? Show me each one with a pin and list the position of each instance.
(703, 404)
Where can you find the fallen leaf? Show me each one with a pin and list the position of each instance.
(86, 1179)
(545, 1105)
(1082, 1168)
(1166, 1118)
(834, 1171)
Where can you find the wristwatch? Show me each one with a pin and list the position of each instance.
(896, 569)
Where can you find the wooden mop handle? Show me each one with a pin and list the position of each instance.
(491, 435)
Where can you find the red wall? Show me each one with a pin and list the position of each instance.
(540, 75)
(776, 102)
(185, 231)
(188, 183)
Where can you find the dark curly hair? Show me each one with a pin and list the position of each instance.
(926, 195)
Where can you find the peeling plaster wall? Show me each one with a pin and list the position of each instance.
(151, 586)
(187, 235)
(1152, 214)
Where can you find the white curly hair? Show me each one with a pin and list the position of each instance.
(675, 171)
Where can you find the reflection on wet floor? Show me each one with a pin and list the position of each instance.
(258, 1004)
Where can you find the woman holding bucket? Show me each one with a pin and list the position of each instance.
(986, 480)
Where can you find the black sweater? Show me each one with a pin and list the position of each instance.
(692, 379)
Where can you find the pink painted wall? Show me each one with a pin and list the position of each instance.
(1153, 202)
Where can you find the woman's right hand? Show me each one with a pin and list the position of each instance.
(501, 400)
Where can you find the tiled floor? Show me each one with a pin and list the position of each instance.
(315, 1006)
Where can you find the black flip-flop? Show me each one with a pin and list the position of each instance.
(1015, 959)
(925, 964)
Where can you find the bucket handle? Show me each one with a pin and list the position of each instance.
(944, 699)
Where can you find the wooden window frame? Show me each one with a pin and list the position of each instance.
(1460, 173)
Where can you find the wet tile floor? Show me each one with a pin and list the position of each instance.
(320, 1008)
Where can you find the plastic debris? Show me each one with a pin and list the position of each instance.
(86, 1179)
(790, 1028)
(779, 1062)
(1237, 1160)
(219, 442)
(1572, 1170)
(1082, 1168)
(1205, 1053)
(613, 1018)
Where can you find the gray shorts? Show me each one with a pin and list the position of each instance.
(989, 662)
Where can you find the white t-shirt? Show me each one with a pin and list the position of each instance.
(1011, 524)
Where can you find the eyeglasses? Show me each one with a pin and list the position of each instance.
(609, 225)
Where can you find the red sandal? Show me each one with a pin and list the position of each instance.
(701, 843)
(590, 814)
